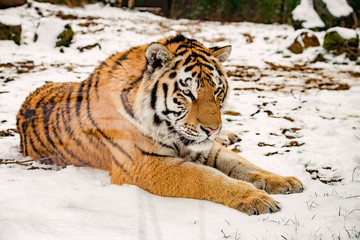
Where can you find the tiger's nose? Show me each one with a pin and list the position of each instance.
(209, 131)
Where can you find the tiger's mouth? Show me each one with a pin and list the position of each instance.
(191, 140)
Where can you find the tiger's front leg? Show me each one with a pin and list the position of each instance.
(174, 177)
(237, 167)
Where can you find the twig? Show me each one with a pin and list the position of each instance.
(352, 212)
(352, 197)
(225, 236)
(14, 161)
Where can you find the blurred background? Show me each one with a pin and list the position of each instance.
(259, 11)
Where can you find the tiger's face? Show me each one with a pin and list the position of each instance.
(187, 92)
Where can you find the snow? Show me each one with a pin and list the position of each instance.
(297, 36)
(305, 12)
(338, 8)
(281, 97)
(345, 33)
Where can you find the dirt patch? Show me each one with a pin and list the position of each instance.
(293, 144)
(20, 67)
(290, 78)
(232, 113)
(317, 175)
(262, 144)
(8, 132)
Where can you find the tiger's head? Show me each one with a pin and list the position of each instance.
(186, 89)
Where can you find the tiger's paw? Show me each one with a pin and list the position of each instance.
(275, 184)
(258, 203)
(227, 138)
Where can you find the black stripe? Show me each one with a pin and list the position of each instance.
(37, 137)
(182, 52)
(197, 157)
(46, 116)
(67, 127)
(177, 147)
(154, 154)
(205, 52)
(29, 113)
(97, 80)
(175, 100)
(190, 95)
(167, 111)
(122, 58)
(172, 75)
(126, 104)
(203, 58)
(226, 90)
(157, 119)
(208, 67)
(176, 39)
(165, 88)
(229, 174)
(176, 87)
(79, 100)
(189, 68)
(158, 142)
(185, 140)
(101, 66)
(121, 166)
(218, 91)
(219, 71)
(206, 160)
(188, 60)
(35, 133)
(181, 117)
(181, 46)
(35, 149)
(176, 64)
(67, 113)
(57, 134)
(184, 82)
(60, 156)
(153, 95)
(125, 96)
(194, 43)
(215, 157)
(106, 138)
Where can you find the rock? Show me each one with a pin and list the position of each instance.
(11, 3)
(65, 37)
(305, 16)
(340, 40)
(304, 40)
(318, 15)
(10, 32)
(333, 15)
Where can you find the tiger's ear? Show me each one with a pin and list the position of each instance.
(157, 55)
(221, 53)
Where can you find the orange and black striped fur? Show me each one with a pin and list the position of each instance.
(150, 115)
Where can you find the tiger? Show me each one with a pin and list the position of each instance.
(150, 116)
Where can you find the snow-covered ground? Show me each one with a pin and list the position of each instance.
(294, 117)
